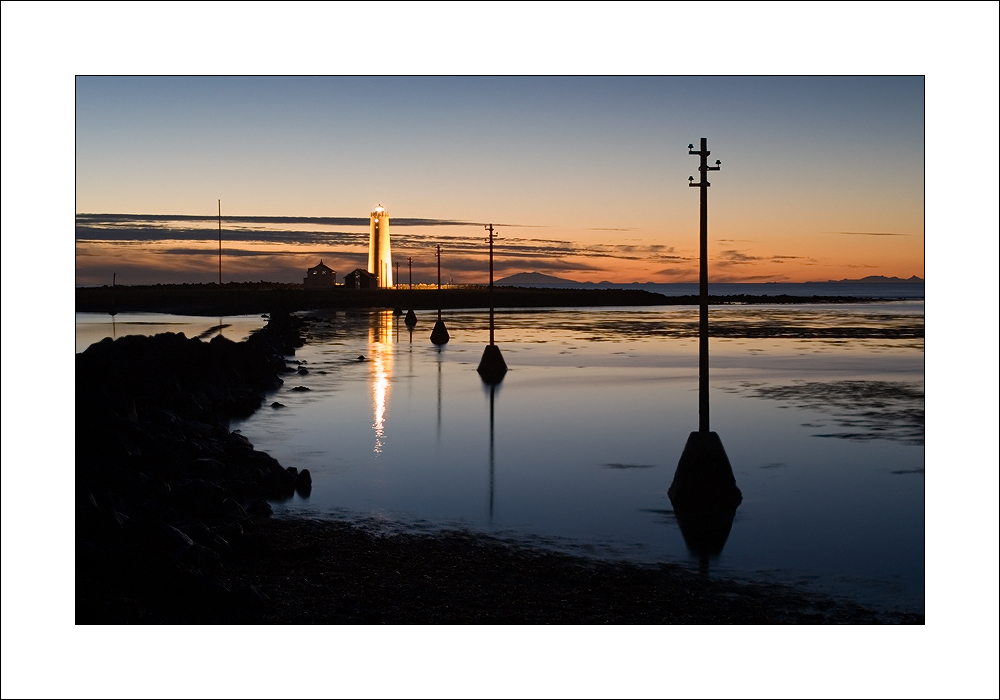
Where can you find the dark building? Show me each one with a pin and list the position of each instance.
(361, 279)
(319, 277)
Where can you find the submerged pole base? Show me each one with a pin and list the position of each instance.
(397, 311)
(492, 368)
(439, 336)
(704, 495)
(411, 319)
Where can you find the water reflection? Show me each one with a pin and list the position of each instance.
(493, 389)
(381, 355)
(439, 351)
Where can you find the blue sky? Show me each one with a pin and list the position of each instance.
(583, 160)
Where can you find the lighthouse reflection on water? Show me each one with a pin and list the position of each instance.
(379, 343)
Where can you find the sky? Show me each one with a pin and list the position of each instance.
(585, 177)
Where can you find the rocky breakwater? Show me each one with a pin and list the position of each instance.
(166, 494)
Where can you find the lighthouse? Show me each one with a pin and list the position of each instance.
(379, 252)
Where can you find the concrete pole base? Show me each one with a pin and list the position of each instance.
(439, 336)
(411, 319)
(492, 367)
(704, 495)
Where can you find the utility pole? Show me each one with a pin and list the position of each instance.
(704, 184)
(439, 336)
(704, 493)
(220, 242)
(411, 318)
(492, 367)
(395, 280)
(490, 237)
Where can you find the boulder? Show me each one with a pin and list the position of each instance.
(259, 508)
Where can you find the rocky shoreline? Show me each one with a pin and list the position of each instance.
(173, 524)
(166, 494)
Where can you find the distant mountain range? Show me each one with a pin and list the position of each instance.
(528, 279)
(535, 279)
(878, 279)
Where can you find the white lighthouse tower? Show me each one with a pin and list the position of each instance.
(379, 252)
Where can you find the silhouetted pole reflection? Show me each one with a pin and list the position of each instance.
(439, 336)
(114, 310)
(492, 367)
(493, 391)
(704, 492)
(439, 400)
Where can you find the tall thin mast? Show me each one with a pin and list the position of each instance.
(220, 242)
(491, 236)
(704, 184)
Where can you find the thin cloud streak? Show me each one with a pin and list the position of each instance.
(865, 233)
(122, 229)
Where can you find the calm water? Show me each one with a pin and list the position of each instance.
(94, 327)
(577, 447)
(825, 435)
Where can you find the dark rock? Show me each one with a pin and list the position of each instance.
(202, 535)
(202, 558)
(302, 370)
(276, 404)
(209, 468)
(301, 388)
(230, 532)
(303, 483)
(253, 598)
(361, 358)
(172, 540)
(238, 441)
(259, 508)
(197, 495)
(156, 468)
(232, 509)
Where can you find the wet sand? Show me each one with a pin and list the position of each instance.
(333, 573)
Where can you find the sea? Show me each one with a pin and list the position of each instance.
(820, 408)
